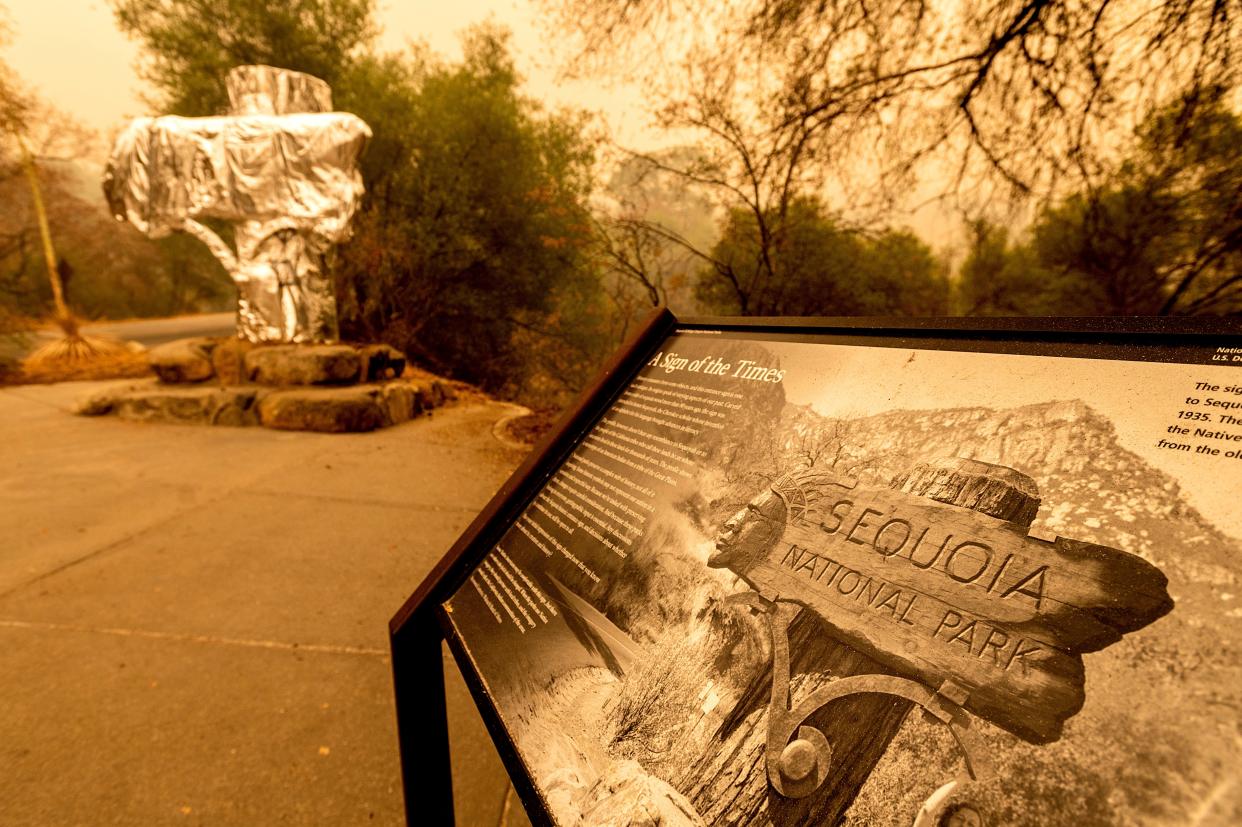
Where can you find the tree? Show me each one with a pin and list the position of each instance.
(191, 44)
(788, 100)
(759, 175)
(469, 248)
(1001, 277)
(19, 238)
(815, 267)
(476, 228)
(872, 100)
(106, 270)
(1194, 148)
(1034, 90)
(1161, 234)
(647, 222)
(1164, 234)
(903, 277)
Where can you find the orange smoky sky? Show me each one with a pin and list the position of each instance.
(73, 55)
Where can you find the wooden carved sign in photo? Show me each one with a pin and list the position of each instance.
(936, 581)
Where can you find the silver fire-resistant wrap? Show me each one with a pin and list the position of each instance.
(288, 182)
(266, 90)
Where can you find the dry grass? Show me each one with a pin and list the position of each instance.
(73, 356)
(658, 701)
(124, 364)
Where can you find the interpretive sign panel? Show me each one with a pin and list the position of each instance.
(717, 595)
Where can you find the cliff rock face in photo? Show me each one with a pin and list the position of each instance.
(1092, 488)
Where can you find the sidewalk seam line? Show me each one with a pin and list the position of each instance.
(317, 648)
(465, 509)
(180, 512)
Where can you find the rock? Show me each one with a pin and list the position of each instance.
(380, 362)
(228, 360)
(332, 410)
(399, 402)
(423, 400)
(97, 404)
(562, 787)
(237, 415)
(196, 406)
(626, 795)
(429, 393)
(303, 365)
(183, 360)
(306, 405)
(434, 393)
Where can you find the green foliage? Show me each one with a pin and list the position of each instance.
(191, 44)
(475, 233)
(470, 246)
(812, 266)
(1163, 234)
(1111, 245)
(127, 275)
(1002, 278)
(900, 275)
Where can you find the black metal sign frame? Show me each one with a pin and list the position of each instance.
(420, 626)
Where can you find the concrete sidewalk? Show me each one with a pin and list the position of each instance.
(193, 621)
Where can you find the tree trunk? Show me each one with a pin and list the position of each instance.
(729, 784)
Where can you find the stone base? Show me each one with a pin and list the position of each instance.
(236, 361)
(331, 410)
(331, 388)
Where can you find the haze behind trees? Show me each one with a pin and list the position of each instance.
(495, 245)
(108, 270)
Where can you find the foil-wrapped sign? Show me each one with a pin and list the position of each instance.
(941, 592)
(281, 169)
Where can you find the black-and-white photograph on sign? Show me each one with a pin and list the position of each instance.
(793, 580)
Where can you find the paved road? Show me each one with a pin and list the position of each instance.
(149, 332)
(193, 620)
(146, 332)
